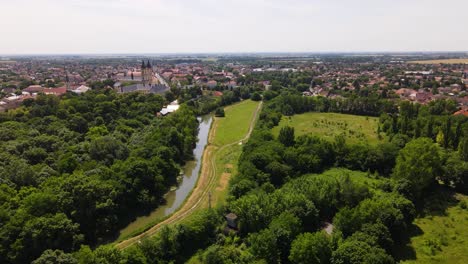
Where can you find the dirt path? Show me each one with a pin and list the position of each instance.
(206, 183)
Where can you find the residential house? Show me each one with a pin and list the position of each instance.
(55, 91)
(212, 84)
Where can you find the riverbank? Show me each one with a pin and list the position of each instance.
(246, 113)
(176, 197)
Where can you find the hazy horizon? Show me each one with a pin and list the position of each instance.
(127, 27)
(311, 53)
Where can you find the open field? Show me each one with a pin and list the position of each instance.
(218, 162)
(443, 238)
(447, 61)
(328, 125)
(235, 125)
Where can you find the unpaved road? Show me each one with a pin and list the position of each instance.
(205, 183)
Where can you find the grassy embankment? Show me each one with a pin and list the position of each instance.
(356, 129)
(224, 149)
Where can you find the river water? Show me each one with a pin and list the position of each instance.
(175, 198)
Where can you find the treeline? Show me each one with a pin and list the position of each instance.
(204, 104)
(290, 104)
(73, 171)
(435, 122)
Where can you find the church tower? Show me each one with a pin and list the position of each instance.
(146, 73)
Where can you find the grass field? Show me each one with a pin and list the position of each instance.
(328, 125)
(356, 176)
(235, 125)
(443, 238)
(447, 61)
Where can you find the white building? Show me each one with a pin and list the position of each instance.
(81, 89)
(172, 107)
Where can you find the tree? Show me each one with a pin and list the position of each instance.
(134, 255)
(41, 233)
(286, 136)
(226, 254)
(440, 139)
(357, 252)
(102, 255)
(455, 172)
(285, 227)
(55, 257)
(311, 248)
(220, 112)
(256, 97)
(107, 149)
(418, 162)
(263, 246)
(463, 149)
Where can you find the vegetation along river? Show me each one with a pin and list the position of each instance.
(176, 197)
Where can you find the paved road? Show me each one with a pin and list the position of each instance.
(161, 79)
(198, 194)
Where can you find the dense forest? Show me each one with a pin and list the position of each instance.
(74, 170)
(289, 189)
(88, 177)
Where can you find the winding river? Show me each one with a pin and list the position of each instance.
(175, 198)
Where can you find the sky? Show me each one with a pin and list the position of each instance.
(216, 26)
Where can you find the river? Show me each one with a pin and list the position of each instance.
(175, 198)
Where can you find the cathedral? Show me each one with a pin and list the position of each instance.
(148, 83)
(146, 73)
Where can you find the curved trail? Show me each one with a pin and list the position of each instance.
(202, 189)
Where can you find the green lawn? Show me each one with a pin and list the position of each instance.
(443, 238)
(328, 125)
(235, 124)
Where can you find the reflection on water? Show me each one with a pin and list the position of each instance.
(189, 178)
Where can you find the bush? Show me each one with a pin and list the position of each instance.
(256, 97)
(463, 205)
(220, 112)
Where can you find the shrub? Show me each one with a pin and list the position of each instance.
(220, 112)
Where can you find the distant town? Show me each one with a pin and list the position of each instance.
(419, 78)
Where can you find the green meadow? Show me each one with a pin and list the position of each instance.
(236, 124)
(356, 129)
(442, 236)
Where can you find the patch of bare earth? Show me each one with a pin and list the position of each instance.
(223, 181)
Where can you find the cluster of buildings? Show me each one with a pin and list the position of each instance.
(416, 83)
(25, 78)
(13, 99)
(203, 75)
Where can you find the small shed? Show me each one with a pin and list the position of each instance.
(231, 219)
